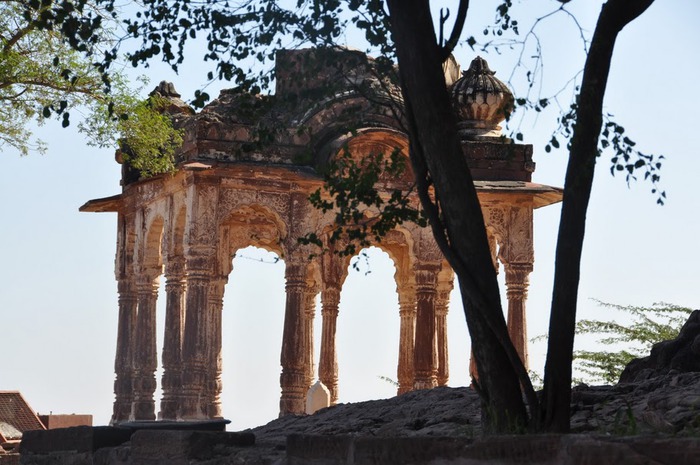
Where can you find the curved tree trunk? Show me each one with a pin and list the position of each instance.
(614, 16)
(459, 225)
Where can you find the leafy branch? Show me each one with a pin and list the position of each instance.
(659, 322)
(628, 160)
(362, 215)
(625, 159)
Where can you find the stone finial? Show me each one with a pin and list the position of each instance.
(481, 101)
(166, 89)
(175, 104)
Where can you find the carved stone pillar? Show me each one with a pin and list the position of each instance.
(309, 315)
(441, 308)
(517, 278)
(328, 363)
(517, 258)
(407, 312)
(123, 367)
(195, 341)
(296, 341)
(145, 360)
(201, 233)
(171, 382)
(425, 356)
(214, 385)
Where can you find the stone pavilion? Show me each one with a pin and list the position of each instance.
(243, 177)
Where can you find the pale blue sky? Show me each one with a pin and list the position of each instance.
(58, 299)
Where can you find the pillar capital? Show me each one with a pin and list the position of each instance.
(519, 268)
(199, 262)
(426, 275)
(146, 283)
(175, 265)
(407, 299)
(330, 299)
(517, 280)
(295, 276)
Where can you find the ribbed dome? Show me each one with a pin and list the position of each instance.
(481, 101)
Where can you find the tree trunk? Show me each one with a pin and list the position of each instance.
(614, 16)
(437, 155)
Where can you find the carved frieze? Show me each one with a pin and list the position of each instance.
(201, 227)
(495, 219)
(425, 247)
(519, 247)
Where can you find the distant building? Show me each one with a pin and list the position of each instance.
(17, 417)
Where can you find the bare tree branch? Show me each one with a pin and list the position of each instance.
(456, 30)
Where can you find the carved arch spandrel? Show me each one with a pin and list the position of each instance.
(250, 225)
(398, 244)
(364, 142)
(231, 199)
(497, 230)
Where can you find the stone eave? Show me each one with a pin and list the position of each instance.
(539, 195)
(105, 204)
(254, 170)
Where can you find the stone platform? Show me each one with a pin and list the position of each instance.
(84, 445)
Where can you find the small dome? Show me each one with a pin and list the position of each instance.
(481, 101)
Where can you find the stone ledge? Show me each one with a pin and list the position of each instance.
(501, 450)
(180, 447)
(116, 446)
(9, 459)
(78, 439)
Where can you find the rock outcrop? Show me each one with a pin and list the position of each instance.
(680, 355)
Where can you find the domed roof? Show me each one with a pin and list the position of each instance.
(481, 101)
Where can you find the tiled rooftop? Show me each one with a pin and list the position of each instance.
(16, 416)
